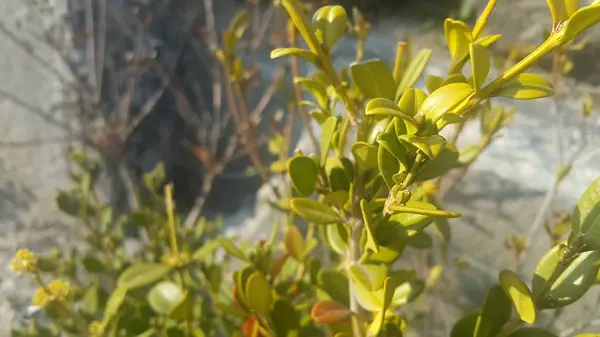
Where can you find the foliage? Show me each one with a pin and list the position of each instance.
(368, 191)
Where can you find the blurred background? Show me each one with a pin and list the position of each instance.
(134, 80)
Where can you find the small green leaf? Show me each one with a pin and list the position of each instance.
(316, 89)
(526, 87)
(259, 294)
(444, 99)
(468, 154)
(413, 72)
(388, 166)
(301, 53)
(443, 163)
(93, 299)
(480, 64)
(519, 294)
(431, 146)
(448, 119)
(232, 249)
(365, 157)
(408, 103)
(388, 140)
(115, 300)
(432, 83)
(327, 130)
(338, 238)
(558, 11)
(303, 172)
(165, 297)
(586, 217)
(571, 284)
(465, 326)
(532, 332)
(414, 221)
(93, 265)
(314, 211)
(140, 275)
(294, 243)
(386, 108)
(337, 198)
(373, 78)
(420, 240)
(207, 248)
(368, 219)
(580, 21)
(495, 313)
(389, 288)
(329, 23)
(370, 276)
(284, 317)
(458, 37)
(335, 284)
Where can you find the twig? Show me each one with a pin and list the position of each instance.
(259, 37)
(90, 33)
(268, 94)
(100, 47)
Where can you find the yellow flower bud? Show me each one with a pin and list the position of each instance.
(57, 290)
(24, 261)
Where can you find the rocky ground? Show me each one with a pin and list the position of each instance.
(500, 196)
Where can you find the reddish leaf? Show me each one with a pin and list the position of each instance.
(330, 312)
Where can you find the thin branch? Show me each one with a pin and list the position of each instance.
(259, 37)
(269, 93)
(100, 47)
(90, 34)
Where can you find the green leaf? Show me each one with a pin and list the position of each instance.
(207, 248)
(444, 99)
(413, 72)
(365, 157)
(532, 332)
(519, 294)
(458, 37)
(526, 87)
(374, 79)
(480, 64)
(414, 221)
(339, 173)
(259, 294)
(431, 146)
(301, 53)
(335, 284)
(303, 173)
(314, 211)
(329, 23)
(455, 78)
(93, 299)
(337, 198)
(420, 240)
(327, 130)
(235, 31)
(386, 108)
(581, 20)
(165, 297)
(409, 103)
(93, 265)
(465, 326)
(338, 238)
(316, 89)
(558, 11)
(370, 276)
(443, 163)
(586, 217)
(388, 166)
(294, 243)
(570, 285)
(389, 287)
(69, 203)
(448, 119)
(140, 275)
(232, 249)
(115, 300)
(432, 83)
(284, 317)
(468, 154)
(495, 313)
(368, 219)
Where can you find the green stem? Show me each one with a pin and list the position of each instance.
(413, 170)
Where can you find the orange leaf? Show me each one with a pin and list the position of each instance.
(330, 312)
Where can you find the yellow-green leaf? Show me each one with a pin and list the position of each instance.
(385, 107)
(368, 219)
(327, 130)
(165, 297)
(365, 157)
(574, 281)
(298, 52)
(303, 172)
(207, 248)
(558, 11)
(458, 37)
(389, 287)
(337, 235)
(296, 14)
(494, 314)
(413, 72)
(432, 83)
(519, 294)
(140, 275)
(465, 325)
(374, 79)
(480, 64)
(314, 211)
(330, 23)
(232, 249)
(444, 99)
(316, 89)
(370, 276)
(526, 87)
(115, 300)
(586, 217)
(431, 146)
(580, 21)
(259, 294)
(294, 243)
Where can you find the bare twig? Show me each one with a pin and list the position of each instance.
(100, 48)
(90, 33)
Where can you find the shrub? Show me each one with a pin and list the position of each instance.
(368, 191)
